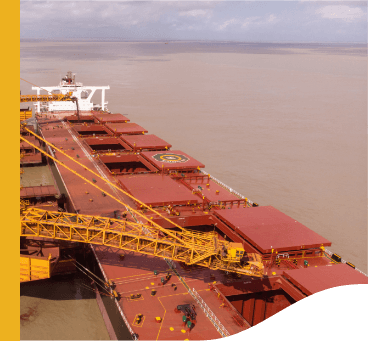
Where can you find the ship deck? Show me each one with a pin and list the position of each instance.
(135, 273)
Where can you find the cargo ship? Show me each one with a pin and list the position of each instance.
(172, 251)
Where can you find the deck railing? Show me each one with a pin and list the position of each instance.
(227, 187)
(251, 203)
(211, 316)
(344, 261)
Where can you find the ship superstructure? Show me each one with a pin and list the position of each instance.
(167, 297)
(81, 92)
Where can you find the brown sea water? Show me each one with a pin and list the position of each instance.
(60, 309)
(283, 124)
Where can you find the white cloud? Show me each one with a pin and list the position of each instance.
(116, 13)
(271, 18)
(338, 2)
(260, 21)
(195, 13)
(341, 12)
(228, 23)
(248, 22)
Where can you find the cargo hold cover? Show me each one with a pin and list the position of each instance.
(313, 279)
(157, 190)
(148, 141)
(171, 160)
(267, 228)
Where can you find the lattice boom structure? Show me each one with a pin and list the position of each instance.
(190, 247)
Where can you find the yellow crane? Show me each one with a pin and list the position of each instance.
(25, 114)
(46, 98)
(190, 247)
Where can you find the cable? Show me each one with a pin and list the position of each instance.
(36, 85)
(87, 270)
(173, 235)
(109, 182)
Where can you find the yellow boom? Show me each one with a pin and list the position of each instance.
(190, 247)
(45, 98)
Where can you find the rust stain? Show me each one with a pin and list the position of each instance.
(26, 316)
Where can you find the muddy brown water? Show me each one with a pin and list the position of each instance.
(283, 124)
(61, 308)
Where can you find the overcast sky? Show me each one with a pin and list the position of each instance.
(271, 21)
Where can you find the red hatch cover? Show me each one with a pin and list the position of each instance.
(38, 191)
(26, 145)
(99, 144)
(149, 141)
(126, 128)
(157, 190)
(174, 159)
(31, 158)
(267, 228)
(210, 189)
(81, 118)
(313, 279)
(105, 118)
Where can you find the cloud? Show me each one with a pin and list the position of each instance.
(343, 12)
(250, 22)
(115, 13)
(196, 13)
(228, 23)
(212, 20)
(338, 2)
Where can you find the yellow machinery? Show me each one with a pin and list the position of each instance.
(34, 268)
(46, 98)
(190, 247)
(25, 114)
(236, 251)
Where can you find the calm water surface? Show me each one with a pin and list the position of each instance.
(60, 309)
(283, 124)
